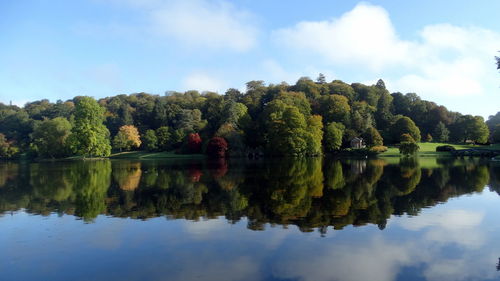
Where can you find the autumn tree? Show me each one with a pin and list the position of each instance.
(217, 147)
(194, 143)
(89, 135)
(127, 138)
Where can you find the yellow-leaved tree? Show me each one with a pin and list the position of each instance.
(127, 138)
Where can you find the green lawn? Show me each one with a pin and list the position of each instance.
(429, 149)
(153, 155)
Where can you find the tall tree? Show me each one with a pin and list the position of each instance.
(333, 136)
(150, 141)
(89, 135)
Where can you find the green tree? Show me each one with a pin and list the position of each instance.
(471, 128)
(404, 125)
(333, 136)
(50, 136)
(372, 137)
(314, 135)
(334, 108)
(286, 129)
(150, 141)
(163, 138)
(89, 135)
(441, 133)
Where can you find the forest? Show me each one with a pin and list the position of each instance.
(309, 118)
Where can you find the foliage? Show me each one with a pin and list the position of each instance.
(372, 137)
(7, 149)
(406, 138)
(334, 108)
(333, 136)
(496, 134)
(441, 133)
(408, 148)
(234, 137)
(378, 149)
(127, 138)
(49, 138)
(442, 148)
(428, 138)
(405, 125)
(163, 138)
(278, 119)
(217, 147)
(150, 141)
(194, 143)
(89, 136)
(470, 128)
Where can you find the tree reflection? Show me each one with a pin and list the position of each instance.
(312, 193)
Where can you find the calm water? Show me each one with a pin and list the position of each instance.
(315, 219)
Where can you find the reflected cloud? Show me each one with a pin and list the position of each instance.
(451, 226)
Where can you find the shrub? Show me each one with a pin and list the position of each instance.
(217, 147)
(445, 148)
(378, 149)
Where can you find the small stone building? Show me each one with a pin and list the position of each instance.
(357, 143)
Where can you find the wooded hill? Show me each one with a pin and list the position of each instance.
(308, 118)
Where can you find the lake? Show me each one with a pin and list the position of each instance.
(280, 219)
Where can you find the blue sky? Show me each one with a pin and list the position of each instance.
(442, 50)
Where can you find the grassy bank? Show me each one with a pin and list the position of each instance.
(429, 149)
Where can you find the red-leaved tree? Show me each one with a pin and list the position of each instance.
(194, 143)
(217, 147)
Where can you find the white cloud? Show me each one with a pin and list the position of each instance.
(201, 23)
(364, 35)
(202, 82)
(444, 60)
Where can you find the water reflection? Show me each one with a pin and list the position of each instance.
(310, 193)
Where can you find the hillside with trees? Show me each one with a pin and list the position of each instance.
(308, 118)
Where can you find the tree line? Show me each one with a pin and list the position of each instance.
(307, 118)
